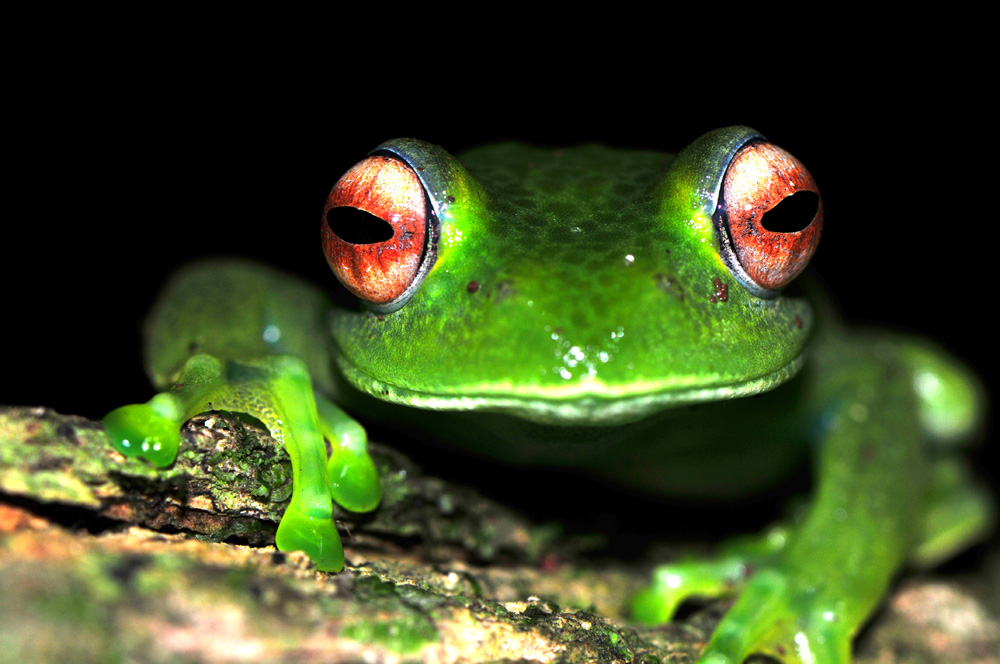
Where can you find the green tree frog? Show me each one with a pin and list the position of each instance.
(605, 309)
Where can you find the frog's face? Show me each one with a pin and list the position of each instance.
(582, 285)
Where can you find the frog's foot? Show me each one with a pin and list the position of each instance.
(147, 430)
(277, 391)
(706, 579)
(778, 612)
(779, 615)
(314, 534)
(959, 512)
(151, 430)
(674, 584)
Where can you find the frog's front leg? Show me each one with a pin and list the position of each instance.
(256, 328)
(803, 597)
(277, 391)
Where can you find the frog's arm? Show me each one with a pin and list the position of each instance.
(239, 337)
(884, 496)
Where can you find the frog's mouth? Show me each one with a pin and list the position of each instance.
(581, 403)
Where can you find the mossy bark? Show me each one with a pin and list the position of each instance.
(105, 559)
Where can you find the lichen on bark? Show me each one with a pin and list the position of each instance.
(105, 559)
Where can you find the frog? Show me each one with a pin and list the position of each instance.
(627, 314)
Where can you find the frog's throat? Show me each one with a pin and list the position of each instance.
(580, 403)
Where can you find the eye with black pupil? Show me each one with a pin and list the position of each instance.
(771, 215)
(794, 213)
(357, 226)
(375, 231)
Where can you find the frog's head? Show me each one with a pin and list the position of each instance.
(581, 285)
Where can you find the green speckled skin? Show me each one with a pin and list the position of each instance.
(591, 263)
(573, 298)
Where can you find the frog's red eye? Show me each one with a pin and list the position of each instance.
(375, 229)
(772, 214)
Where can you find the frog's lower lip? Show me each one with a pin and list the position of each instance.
(574, 405)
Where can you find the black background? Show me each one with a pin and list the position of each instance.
(130, 166)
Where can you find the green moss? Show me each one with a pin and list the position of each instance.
(371, 587)
(616, 642)
(403, 635)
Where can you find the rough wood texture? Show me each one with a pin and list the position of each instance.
(104, 559)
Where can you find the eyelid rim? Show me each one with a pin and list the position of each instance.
(428, 162)
(727, 252)
(712, 154)
(720, 220)
(411, 152)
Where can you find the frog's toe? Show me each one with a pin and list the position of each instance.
(677, 582)
(656, 604)
(674, 584)
(774, 616)
(354, 480)
(315, 535)
(142, 430)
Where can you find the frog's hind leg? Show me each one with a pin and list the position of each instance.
(766, 619)
(959, 512)
(807, 602)
(277, 391)
(235, 335)
(864, 521)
